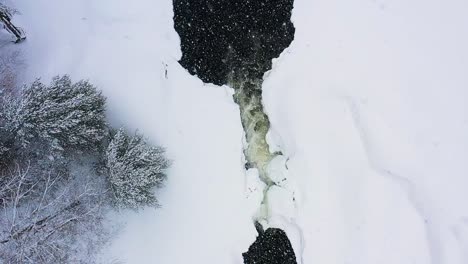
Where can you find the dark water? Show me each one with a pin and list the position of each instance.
(270, 247)
(222, 39)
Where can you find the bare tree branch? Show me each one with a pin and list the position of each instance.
(44, 216)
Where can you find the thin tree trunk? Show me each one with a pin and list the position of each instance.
(6, 19)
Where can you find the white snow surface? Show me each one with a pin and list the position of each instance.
(369, 105)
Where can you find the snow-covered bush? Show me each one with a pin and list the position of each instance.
(66, 115)
(135, 168)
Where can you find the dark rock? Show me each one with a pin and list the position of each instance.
(271, 247)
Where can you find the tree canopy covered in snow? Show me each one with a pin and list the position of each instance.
(135, 168)
(60, 169)
(52, 204)
(65, 114)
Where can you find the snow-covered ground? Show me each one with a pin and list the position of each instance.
(371, 103)
(368, 103)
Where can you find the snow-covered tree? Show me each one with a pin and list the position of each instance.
(66, 115)
(11, 64)
(8, 117)
(51, 199)
(6, 13)
(135, 168)
(51, 216)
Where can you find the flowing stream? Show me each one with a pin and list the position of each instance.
(248, 95)
(233, 42)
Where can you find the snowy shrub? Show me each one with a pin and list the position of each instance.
(66, 115)
(134, 168)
